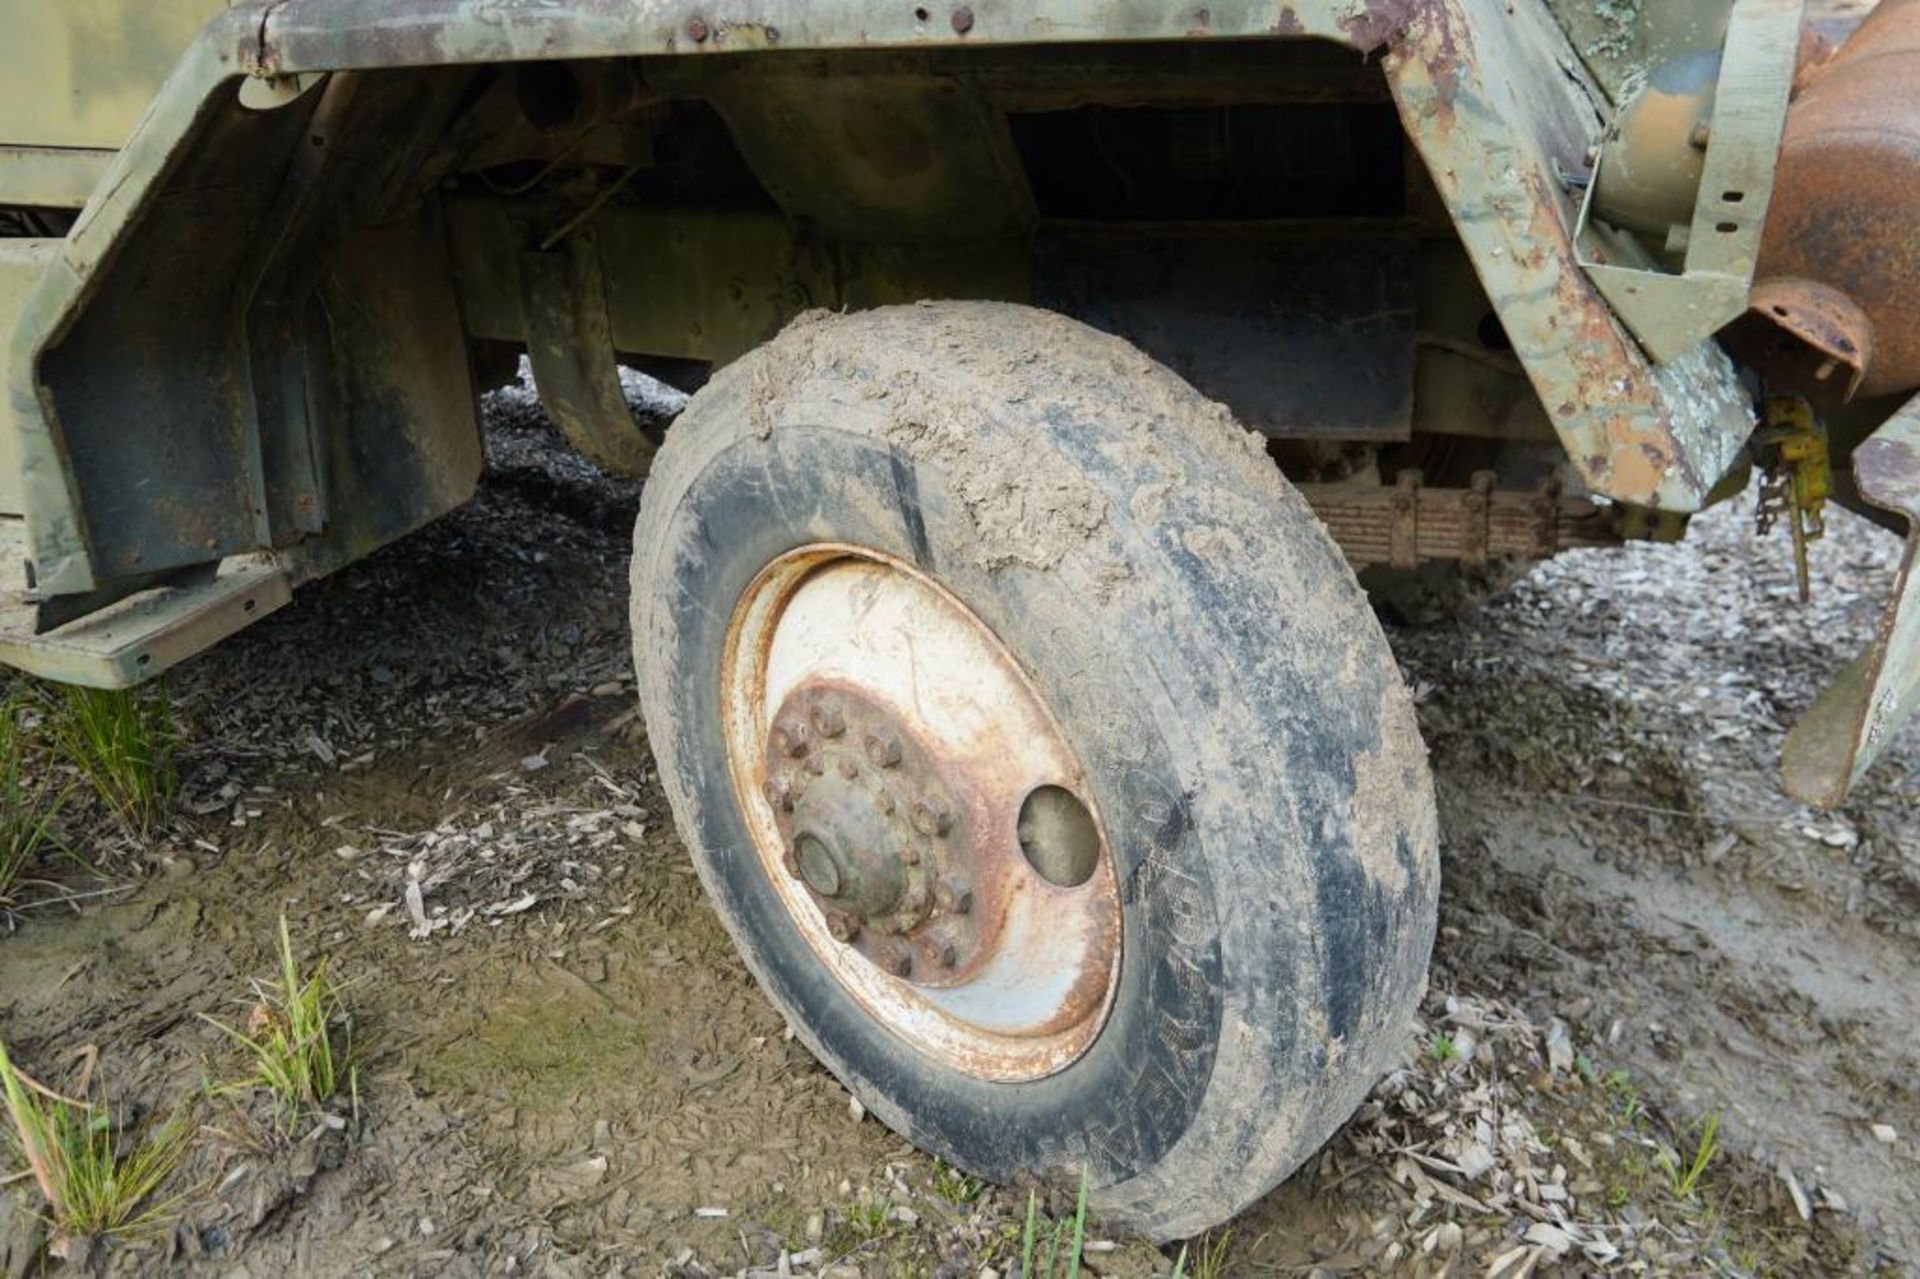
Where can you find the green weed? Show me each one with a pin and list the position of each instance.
(122, 744)
(1685, 1180)
(299, 1037)
(1035, 1264)
(1442, 1048)
(96, 1179)
(953, 1185)
(1209, 1261)
(28, 805)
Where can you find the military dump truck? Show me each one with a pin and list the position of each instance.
(1057, 363)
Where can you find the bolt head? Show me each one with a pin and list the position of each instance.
(698, 31)
(792, 738)
(930, 816)
(883, 750)
(962, 20)
(953, 895)
(828, 721)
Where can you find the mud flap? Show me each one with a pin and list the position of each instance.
(1852, 722)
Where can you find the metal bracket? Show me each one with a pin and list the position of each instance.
(1848, 726)
(136, 638)
(570, 344)
(1672, 314)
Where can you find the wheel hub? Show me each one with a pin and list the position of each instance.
(870, 828)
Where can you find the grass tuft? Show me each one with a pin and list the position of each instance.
(122, 744)
(96, 1178)
(299, 1037)
(1046, 1265)
(1207, 1260)
(28, 806)
(1685, 1180)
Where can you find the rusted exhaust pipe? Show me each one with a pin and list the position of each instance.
(1846, 195)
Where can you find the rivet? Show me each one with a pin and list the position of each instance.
(698, 31)
(883, 752)
(962, 20)
(930, 817)
(828, 721)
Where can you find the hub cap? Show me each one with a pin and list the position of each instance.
(920, 814)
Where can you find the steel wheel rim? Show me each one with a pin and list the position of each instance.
(919, 814)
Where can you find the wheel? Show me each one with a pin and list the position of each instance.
(1038, 750)
(1441, 591)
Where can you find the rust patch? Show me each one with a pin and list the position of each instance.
(1381, 23)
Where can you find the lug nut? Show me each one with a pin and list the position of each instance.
(952, 895)
(828, 721)
(930, 816)
(791, 737)
(883, 751)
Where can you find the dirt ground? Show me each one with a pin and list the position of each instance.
(431, 764)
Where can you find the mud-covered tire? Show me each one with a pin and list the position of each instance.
(1199, 638)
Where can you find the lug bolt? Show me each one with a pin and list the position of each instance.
(828, 721)
(930, 816)
(882, 751)
(953, 896)
(791, 736)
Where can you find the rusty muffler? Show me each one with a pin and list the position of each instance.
(1845, 217)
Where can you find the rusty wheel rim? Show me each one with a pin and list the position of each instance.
(919, 813)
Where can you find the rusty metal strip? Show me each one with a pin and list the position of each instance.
(1848, 726)
(1408, 523)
